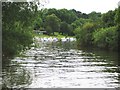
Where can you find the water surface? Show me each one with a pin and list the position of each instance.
(62, 65)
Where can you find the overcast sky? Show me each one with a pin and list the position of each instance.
(85, 6)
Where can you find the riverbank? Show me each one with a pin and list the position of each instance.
(56, 35)
(53, 38)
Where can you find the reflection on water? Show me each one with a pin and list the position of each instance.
(57, 64)
(15, 76)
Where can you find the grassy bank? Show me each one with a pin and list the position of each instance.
(56, 35)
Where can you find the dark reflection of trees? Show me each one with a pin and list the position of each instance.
(112, 58)
(15, 77)
(119, 70)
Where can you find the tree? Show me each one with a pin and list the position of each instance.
(95, 16)
(106, 38)
(80, 14)
(84, 33)
(66, 15)
(117, 20)
(117, 15)
(80, 22)
(17, 26)
(53, 22)
(37, 23)
(65, 28)
(108, 19)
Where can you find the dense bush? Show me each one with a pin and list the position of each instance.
(105, 33)
(84, 33)
(108, 19)
(17, 27)
(52, 24)
(106, 38)
(66, 28)
(15, 39)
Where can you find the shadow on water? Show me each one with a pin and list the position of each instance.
(111, 57)
(14, 76)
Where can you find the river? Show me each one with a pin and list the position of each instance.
(62, 65)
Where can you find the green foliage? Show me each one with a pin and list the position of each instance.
(95, 16)
(108, 19)
(63, 14)
(17, 25)
(80, 14)
(106, 37)
(52, 24)
(65, 28)
(84, 33)
(66, 15)
(80, 22)
(37, 23)
(117, 20)
(49, 30)
(117, 16)
(83, 26)
(103, 33)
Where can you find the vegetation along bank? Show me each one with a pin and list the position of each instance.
(93, 29)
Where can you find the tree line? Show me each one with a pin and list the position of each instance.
(93, 29)
(19, 19)
(62, 20)
(102, 33)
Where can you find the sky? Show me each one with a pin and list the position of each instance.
(85, 6)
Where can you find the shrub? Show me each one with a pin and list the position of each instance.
(84, 33)
(106, 38)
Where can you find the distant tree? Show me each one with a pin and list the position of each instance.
(52, 11)
(106, 38)
(37, 23)
(117, 20)
(117, 16)
(80, 14)
(95, 16)
(84, 33)
(80, 22)
(67, 16)
(108, 19)
(65, 28)
(49, 30)
(53, 22)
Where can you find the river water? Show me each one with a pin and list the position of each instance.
(62, 65)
